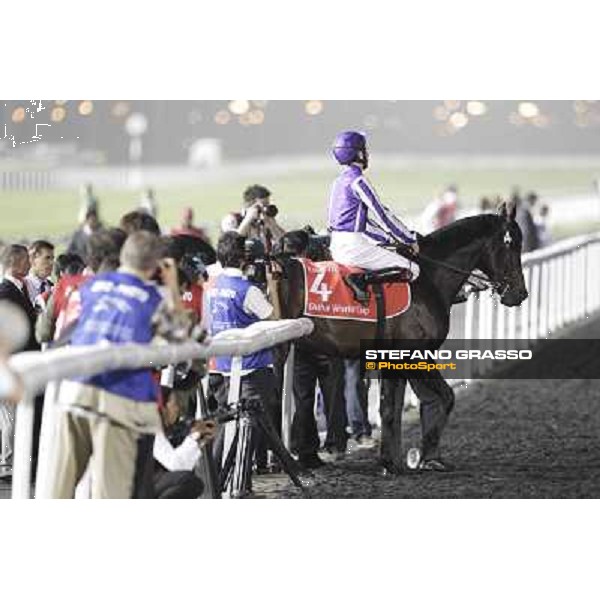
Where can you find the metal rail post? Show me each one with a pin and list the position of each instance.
(21, 485)
(47, 437)
(287, 408)
(233, 397)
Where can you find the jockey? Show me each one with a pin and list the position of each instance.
(358, 221)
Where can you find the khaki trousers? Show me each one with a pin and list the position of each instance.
(102, 429)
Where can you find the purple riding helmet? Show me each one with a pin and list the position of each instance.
(350, 147)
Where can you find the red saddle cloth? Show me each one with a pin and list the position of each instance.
(327, 296)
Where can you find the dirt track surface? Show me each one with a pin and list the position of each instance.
(506, 439)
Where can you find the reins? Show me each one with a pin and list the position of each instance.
(484, 279)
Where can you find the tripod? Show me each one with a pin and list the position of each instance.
(236, 473)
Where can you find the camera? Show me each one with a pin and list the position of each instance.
(270, 210)
(318, 247)
(256, 262)
(193, 267)
(254, 250)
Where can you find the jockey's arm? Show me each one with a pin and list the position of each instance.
(381, 215)
(376, 233)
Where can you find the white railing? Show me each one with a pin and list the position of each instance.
(39, 369)
(564, 288)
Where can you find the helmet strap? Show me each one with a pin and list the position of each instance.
(362, 159)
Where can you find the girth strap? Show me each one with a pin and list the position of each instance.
(380, 306)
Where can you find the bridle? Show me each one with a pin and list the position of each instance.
(497, 286)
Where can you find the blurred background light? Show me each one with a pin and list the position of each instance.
(256, 117)
(222, 117)
(58, 114)
(313, 107)
(85, 108)
(458, 120)
(239, 107)
(120, 110)
(452, 104)
(18, 114)
(244, 120)
(528, 110)
(476, 108)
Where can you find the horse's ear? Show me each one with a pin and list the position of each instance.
(508, 210)
(502, 210)
(511, 210)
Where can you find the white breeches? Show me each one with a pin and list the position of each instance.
(359, 250)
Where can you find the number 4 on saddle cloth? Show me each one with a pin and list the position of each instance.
(328, 294)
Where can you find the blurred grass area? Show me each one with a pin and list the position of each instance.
(571, 229)
(301, 197)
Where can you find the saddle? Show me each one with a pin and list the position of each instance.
(335, 291)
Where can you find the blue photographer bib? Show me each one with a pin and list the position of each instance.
(225, 305)
(118, 308)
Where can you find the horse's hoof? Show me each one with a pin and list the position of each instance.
(435, 465)
(389, 470)
(310, 461)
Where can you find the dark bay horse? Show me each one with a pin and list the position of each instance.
(489, 243)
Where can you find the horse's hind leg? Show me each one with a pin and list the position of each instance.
(390, 409)
(436, 399)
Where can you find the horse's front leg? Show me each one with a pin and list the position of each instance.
(436, 399)
(390, 409)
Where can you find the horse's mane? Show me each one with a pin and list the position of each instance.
(459, 233)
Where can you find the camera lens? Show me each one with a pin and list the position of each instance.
(271, 210)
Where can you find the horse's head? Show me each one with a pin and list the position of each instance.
(501, 258)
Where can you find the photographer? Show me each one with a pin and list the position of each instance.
(177, 451)
(258, 217)
(191, 275)
(232, 301)
(104, 417)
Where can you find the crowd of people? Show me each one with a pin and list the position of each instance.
(137, 433)
(132, 283)
(533, 217)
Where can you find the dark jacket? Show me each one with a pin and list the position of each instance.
(10, 292)
(78, 243)
(528, 228)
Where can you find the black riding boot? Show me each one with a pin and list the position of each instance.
(356, 282)
(390, 275)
